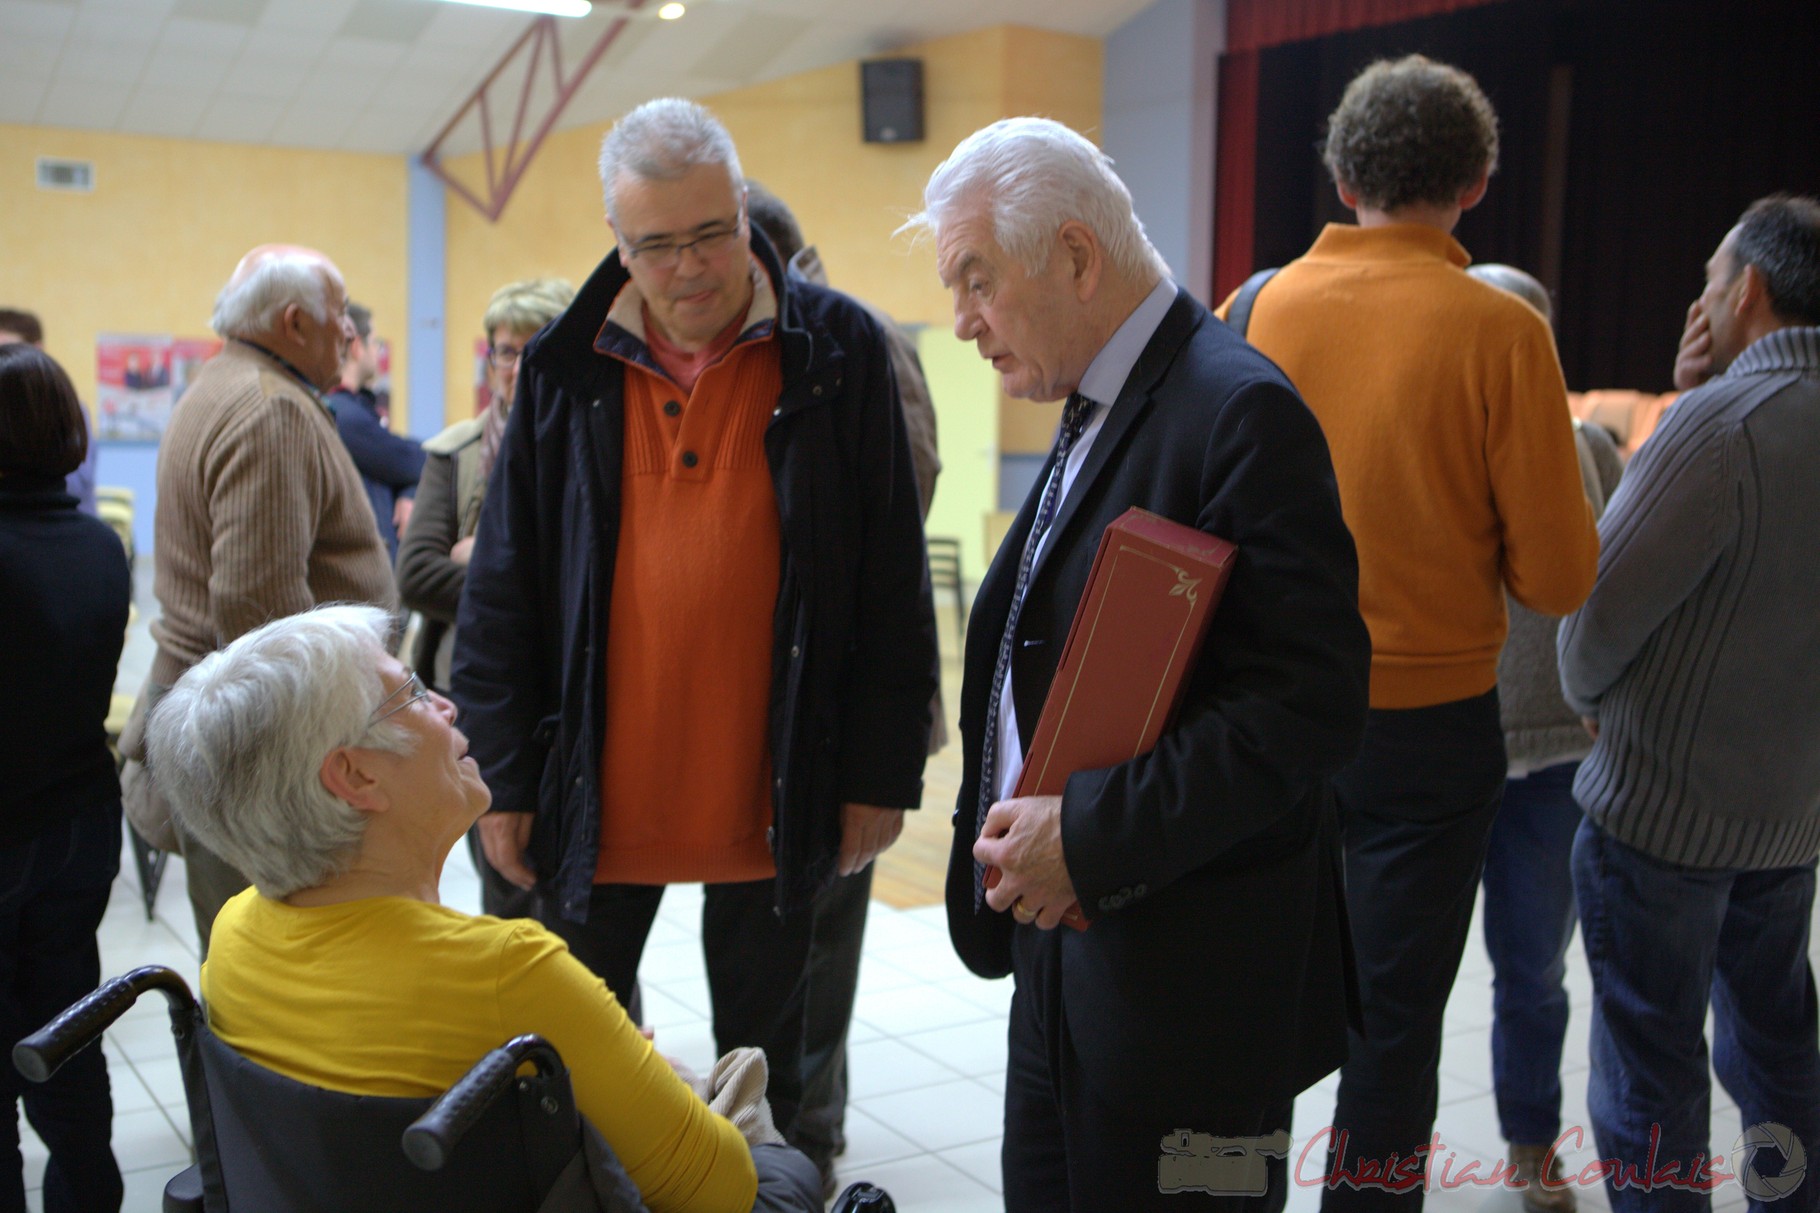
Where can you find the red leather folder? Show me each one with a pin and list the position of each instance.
(1135, 637)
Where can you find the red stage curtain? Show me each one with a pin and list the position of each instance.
(1255, 24)
(1252, 25)
(1234, 188)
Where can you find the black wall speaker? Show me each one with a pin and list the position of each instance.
(891, 95)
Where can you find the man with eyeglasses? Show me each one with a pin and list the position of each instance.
(696, 641)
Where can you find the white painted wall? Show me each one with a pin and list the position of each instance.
(1161, 102)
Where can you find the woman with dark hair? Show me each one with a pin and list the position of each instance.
(64, 591)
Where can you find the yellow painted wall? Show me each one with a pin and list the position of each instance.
(801, 136)
(149, 249)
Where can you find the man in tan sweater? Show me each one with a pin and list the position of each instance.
(260, 513)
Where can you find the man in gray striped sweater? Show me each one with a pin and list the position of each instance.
(1697, 663)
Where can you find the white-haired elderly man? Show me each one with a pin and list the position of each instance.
(260, 512)
(696, 643)
(329, 773)
(1213, 983)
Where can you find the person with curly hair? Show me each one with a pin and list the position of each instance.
(1443, 403)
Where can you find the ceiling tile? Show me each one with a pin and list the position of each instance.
(463, 25)
(193, 37)
(32, 58)
(393, 134)
(240, 119)
(107, 62)
(313, 126)
(265, 78)
(20, 18)
(362, 54)
(117, 25)
(298, 47)
(411, 92)
(389, 20)
(19, 99)
(318, 16)
(156, 111)
(744, 50)
(185, 73)
(238, 12)
(338, 89)
(84, 103)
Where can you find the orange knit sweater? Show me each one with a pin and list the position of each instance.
(1443, 403)
(685, 767)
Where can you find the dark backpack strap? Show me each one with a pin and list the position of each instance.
(1238, 316)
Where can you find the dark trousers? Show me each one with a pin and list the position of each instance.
(53, 891)
(1529, 921)
(1664, 942)
(1066, 1150)
(211, 882)
(1416, 807)
(498, 896)
(756, 962)
(834, 952)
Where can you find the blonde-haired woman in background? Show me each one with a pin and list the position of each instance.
(433, 556)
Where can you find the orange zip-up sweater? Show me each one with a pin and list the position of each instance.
(685, 773)
(1443, 404)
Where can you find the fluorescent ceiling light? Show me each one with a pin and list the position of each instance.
(671, 11)
(555, 8)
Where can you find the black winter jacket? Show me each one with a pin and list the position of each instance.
(854, 660)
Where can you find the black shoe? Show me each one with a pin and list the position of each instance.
(864, 1198)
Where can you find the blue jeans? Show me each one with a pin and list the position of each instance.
(1663, 941)
(53, 891)
(1529, 921)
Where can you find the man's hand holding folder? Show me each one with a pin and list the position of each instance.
(1134, 640)
(1021, 846)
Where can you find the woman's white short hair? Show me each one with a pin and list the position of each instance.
(253, 305)
(237, 745)
(662, 140)
(1035, 175)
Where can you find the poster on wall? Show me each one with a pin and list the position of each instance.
(138, 378)
(483, 387)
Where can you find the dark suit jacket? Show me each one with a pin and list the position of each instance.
(1218, 966)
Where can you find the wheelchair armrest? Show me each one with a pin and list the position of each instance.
(39, 1055)
(432, 1136)
(183, 1193)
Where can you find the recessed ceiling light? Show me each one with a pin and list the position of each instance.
(555, 8)
(671, 11)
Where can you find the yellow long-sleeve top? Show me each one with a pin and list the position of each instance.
(1443, 404)
(392, 996)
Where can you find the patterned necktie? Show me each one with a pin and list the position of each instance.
(1074, 420)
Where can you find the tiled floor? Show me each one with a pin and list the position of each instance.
(927, 1051)
(927, 1056)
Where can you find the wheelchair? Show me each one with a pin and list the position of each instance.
(496, 1141)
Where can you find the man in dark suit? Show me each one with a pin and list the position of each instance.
(1214, 983)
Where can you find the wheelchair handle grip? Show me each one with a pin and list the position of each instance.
(40, 1055)
(433, 1136)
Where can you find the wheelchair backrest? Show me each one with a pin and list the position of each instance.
(269, 1144)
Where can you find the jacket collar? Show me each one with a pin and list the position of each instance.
(1182, 318)
(806, 345)
(28, 492)
(286, 365)
(1392, 242)
(1796, 348)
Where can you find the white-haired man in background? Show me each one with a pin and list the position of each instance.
(260, 513)
(1150, 1051)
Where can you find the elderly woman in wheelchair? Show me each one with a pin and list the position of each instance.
(320, 766)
